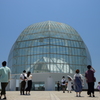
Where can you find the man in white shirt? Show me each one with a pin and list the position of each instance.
(63, 81)
(23, 78)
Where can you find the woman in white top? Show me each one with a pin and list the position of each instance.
(78, 83)
(69, 84)
(29, 83)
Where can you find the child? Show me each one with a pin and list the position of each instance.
(98, 86)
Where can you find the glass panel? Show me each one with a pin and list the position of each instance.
(38, 86)
(52, 54)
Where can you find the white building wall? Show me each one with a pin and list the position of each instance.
(12, 85)
(48, 78)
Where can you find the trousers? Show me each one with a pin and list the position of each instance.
(22, 87)
(90, 88)
(3, 87)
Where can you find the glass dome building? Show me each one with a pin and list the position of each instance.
(49, 49)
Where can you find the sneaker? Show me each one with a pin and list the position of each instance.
(76, 95)
(90, 95)
(79, 95)
(29, 94)
(5, 98)
(93, 95)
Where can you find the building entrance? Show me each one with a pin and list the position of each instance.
(38, 86)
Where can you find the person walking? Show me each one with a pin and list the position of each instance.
(5, 73)
(58, 86)
(63, 81)
(23, 78)
(69, 84)
(78, 83)
(90, 79)
(29, 83)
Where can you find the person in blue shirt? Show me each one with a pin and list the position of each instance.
(4, 78)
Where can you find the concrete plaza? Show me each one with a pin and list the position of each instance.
(50, 95)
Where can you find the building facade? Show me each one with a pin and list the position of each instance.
(49, 50)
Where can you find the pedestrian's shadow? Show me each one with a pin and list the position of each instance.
(80, 96)
(3, 99)
(94, 97)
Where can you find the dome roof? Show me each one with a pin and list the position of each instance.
(49, 29)
(49, 47)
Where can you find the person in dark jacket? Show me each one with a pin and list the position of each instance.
(89, 74)
(58, 85)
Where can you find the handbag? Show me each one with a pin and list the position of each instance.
(94, 79)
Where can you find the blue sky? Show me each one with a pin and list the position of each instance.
(82, 15)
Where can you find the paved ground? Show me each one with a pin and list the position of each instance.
(50, 95)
